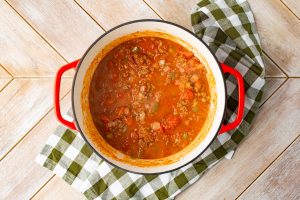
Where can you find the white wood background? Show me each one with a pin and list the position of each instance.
(38, 36)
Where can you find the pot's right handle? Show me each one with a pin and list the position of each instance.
(241, 98)
(59, 74)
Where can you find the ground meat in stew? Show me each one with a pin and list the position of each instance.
(149, 97)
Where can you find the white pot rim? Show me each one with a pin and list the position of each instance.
(80, 129)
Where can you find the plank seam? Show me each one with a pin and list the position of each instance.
(153, 9)
(89, 15)
(286, 79)
(1, 89)
(7, 71)
(42, 186)
(290, 9)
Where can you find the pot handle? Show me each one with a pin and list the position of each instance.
(57, 82)
(241, 98)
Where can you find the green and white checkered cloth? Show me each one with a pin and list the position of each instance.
(229, 29)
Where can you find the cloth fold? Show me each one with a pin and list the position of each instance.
(228, 28)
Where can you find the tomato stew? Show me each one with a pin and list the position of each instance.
(149, 97)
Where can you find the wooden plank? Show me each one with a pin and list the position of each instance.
(4, 77)
(23, 51)
(62, 23)
(281, 180)
(112, 13)
(274, 128)
(58, 189)
(272, 84)
(23, 102)
(22, 182)
(293, 5)
(271, 69)
(279, 30)
(176, 11)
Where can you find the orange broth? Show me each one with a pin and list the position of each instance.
(149, 97)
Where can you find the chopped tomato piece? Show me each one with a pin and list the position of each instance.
(105, 120)
(147, 46)
(187, 95)
(170, 122)
(187, 54)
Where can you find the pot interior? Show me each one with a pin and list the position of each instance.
(84, 75)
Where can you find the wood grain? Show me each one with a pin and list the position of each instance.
(114, 12)
(23, 177)
(62, 23)
(274, 128)
(58, 189)
(293, 5)
(23, 103)
(23, 52)
(281, 180)
(272, 84)
(177, 11)
(280, 33)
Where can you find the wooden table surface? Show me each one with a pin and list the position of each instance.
(38, 36)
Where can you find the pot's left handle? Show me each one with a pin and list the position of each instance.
(241, 99)
(59, 74)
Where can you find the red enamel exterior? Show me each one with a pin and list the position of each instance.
(241, 104)
(59, 74)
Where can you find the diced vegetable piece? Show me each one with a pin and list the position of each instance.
(194, 78)
(135, 49)
(171, 75)
(195, 106)
(185, 135)
(162, 62)
(187, 54)
(126, 111)
(109, 135)
(124, 129)
(166, 69)
(155, 126)
(142, 116)
(155, 106)
(197, 86)
(143, 88)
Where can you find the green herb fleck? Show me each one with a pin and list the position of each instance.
(155, 106)
(185, 135)
(109, 135)
(171, 76)
(195, 106)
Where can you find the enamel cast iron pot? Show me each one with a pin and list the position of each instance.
(161, 165)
